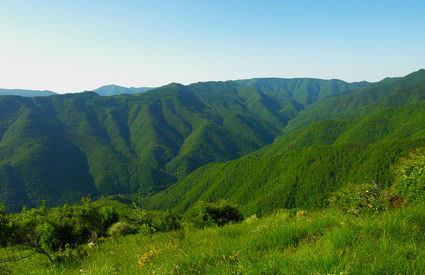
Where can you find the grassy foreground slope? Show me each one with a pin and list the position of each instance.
(326, 242)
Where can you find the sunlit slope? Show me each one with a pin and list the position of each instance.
(302, 168)
(61, 147)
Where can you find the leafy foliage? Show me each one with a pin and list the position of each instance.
(357, 198)
(219, 213)
(410, 176)
(61, 227)
(121, 229)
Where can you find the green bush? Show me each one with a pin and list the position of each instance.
(4, 227)
(60, 227)
(121, 229)
(141, 216)
(168, 221)
(69, 255)
(218, 213)
(409, 179)
(356, 198)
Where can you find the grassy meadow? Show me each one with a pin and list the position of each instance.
(285, 242)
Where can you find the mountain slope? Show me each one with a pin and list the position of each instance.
(301, 169)
(389, 123)
(66, 146)
(296, 179)
(305, 91)
(347, 105)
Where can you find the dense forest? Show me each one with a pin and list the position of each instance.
(62, 147)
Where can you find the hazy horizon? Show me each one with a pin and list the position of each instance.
(83, 45)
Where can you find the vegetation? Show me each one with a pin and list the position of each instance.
(62, 147)
(343, 195)
(302, 178)
(410, 176)
(207, 214)
(369, 98)
(285, 242)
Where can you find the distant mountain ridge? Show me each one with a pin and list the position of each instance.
(110, 90)
(26, 93)
(107, 90)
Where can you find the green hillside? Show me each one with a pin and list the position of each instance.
(301, 178)
(389, 123)
(304, 91)
(347, 105)
(61, 147)
(301, 169)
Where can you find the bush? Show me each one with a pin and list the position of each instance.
(356, 198)
(409, 180)
(141, 216)
(121, 229)
(4, 227)
(167, 221)
(60, 227)
(218, 213)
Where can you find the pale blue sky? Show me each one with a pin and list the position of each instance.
(82, 44)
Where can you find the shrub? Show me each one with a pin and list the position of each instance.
(141, 216)
(168, 221)
(60, 227)
(409, 180)
(356, 198)
(218, 213)
(121, 229)
(4, 227)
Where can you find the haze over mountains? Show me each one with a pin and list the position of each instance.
(107, 90)
(328, 133)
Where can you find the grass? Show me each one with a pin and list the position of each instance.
(324, 242)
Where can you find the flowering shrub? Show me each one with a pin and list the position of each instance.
(356, 198)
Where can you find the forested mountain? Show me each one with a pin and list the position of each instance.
(61, 147)
(302, 90)
(302, 168)
(28, 93)
(347, 105)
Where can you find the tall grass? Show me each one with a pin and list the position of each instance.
(325, 242)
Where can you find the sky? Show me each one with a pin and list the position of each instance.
(69, 46)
